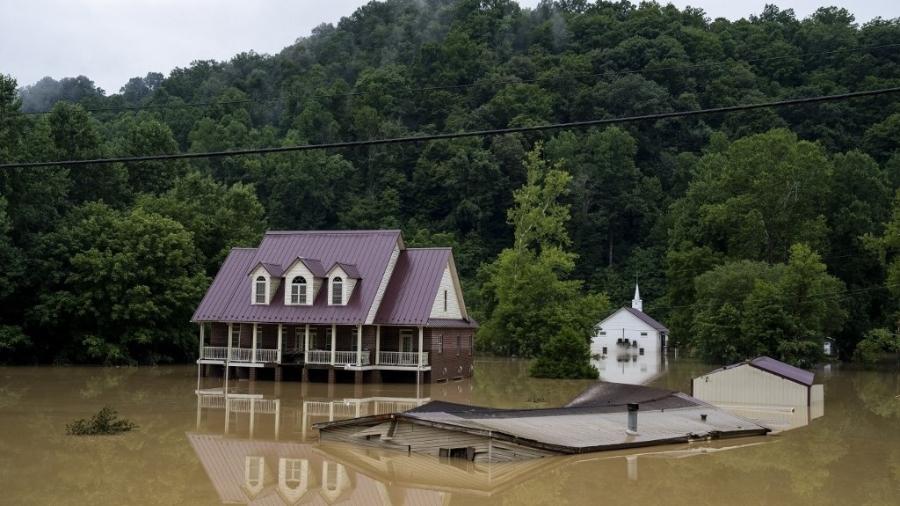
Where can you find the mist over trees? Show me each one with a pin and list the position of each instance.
(792, 204)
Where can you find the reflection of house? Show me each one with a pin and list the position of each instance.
(594, 421)
(629, 331)
(276, 473)
(252, 415)
(763, 389)
(630, 368)
(358, 301)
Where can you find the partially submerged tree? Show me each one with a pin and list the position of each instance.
(531, 307)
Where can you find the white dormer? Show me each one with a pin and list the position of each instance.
(264, 281)
(342, 279)
(448, 302)
(303, 279)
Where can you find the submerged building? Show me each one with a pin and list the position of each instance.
(357, 301)
(629, 331)
(763, 389)
(607, 416)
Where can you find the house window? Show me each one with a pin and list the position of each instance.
(406, 340)
(445, 301)
(354, 333)
(261, 290)
(439, 343)
(298, 290)
(337, 291)
(236, 336)
(299, 338)
(602, 332)
(458, 344)
(643, 334)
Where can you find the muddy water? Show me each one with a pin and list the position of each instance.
(194, 447)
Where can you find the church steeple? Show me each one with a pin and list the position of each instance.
(636, 302)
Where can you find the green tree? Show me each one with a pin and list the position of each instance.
(219, 217)
(118, 287)
(531, 309)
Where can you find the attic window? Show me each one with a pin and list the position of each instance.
(260, 290)
(298, 290)
(337, 291)
(445, 301)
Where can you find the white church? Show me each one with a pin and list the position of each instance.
(629, 331)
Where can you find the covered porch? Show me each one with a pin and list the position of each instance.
(352, 347)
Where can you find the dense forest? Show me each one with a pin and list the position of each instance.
(762, 231)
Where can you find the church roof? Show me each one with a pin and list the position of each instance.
(644, 317)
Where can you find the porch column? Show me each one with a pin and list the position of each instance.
(228, 355)
(306, 342)
(201, 340)
(359, 345)
(421, 344)
(333, 342)
(252, 414)
(280, 329)
(377, 344)
(253, 347)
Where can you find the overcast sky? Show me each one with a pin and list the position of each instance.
(113, 40)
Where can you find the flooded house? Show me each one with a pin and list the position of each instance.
(329, 302)
(629, 332)
(607, 416)
(763, 389)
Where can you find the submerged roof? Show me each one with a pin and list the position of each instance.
(594, 421)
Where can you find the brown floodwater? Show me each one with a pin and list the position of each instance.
(194, 446)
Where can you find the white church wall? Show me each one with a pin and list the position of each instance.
(624, 325)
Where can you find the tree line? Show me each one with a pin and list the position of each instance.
(762, 231)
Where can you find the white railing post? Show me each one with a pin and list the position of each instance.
(359, 345)
(377, 344)
(333, 342)
(201, 340)
(280, 329)
(253, 346)
(421, 343)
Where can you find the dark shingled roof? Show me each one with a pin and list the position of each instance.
(274, 270)
(314, 266)
(349, 269)
(647, 319)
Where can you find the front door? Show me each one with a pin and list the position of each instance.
(406, 340)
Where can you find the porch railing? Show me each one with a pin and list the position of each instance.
(402, 358)
(266, 355)
(214, 352)
(340, 357)
(240, 354)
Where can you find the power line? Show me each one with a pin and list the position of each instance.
(554, 77)
(458, 135)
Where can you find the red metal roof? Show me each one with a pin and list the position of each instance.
(229, 296)
(364, 255)
(411, 291)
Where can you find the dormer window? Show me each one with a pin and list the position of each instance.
(337, 291)
(260, 288)
(298, 290)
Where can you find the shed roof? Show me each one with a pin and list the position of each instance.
(776, 367)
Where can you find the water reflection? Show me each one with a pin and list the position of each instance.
(630, 367)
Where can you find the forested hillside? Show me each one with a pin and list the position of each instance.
(751, 232)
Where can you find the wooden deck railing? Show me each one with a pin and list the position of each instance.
(341, 357)
(263, 355)
(266, 355)
(402, 358)
(214, 352)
